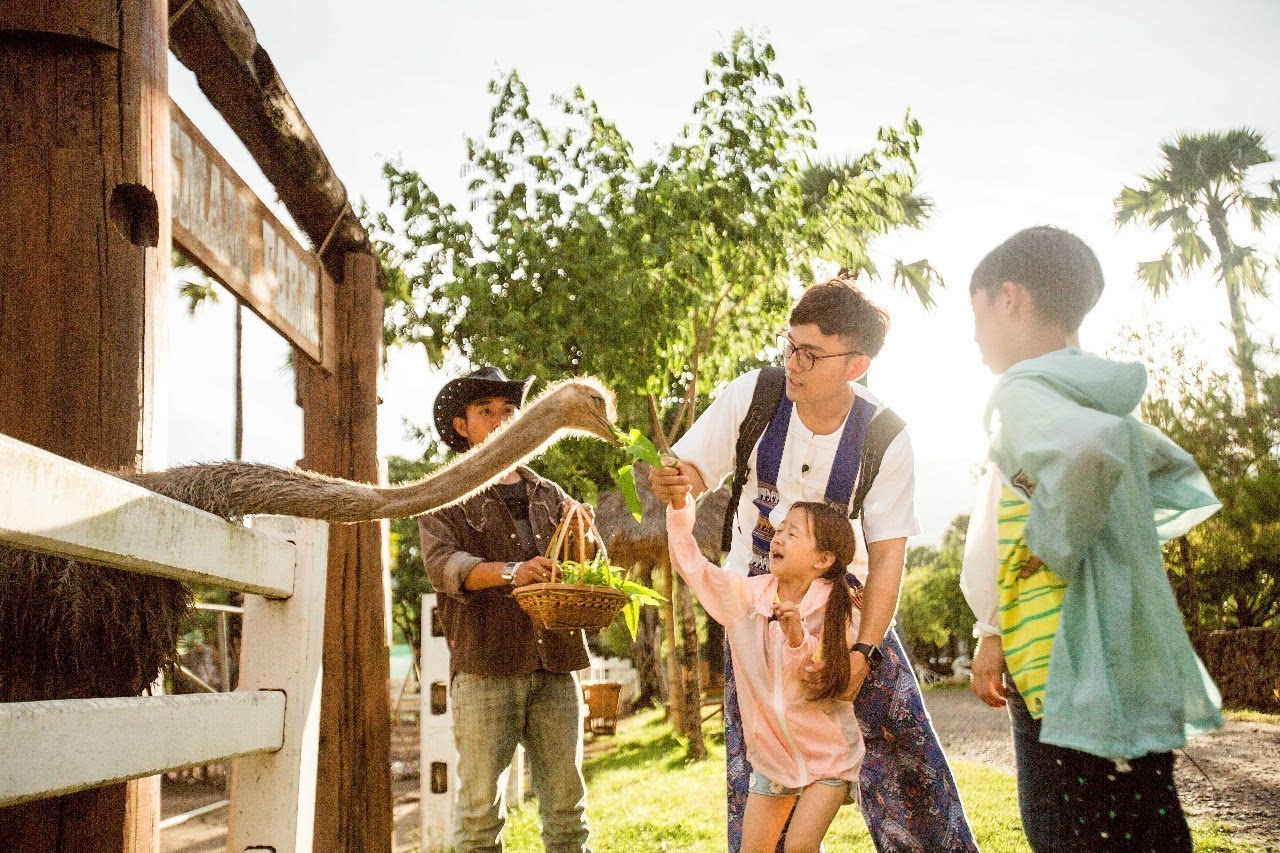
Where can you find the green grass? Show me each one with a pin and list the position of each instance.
(644, 796)
(1245, 716)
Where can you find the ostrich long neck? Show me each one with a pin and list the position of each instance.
(232, 489)
(522, 439)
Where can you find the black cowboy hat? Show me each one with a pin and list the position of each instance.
(480, 384)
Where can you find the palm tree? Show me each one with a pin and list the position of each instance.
(838, 194)
(1200, 185)
(196, 293)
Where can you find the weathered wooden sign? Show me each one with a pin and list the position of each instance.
(222, 225)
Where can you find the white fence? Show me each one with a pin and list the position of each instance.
(270, 725)
(439, 768)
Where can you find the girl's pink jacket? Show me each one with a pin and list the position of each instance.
(791, 739)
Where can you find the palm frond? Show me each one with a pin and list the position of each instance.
(1192, 250)
(1244, 269)
(1157, 274)
(196, 293)
(920, 278)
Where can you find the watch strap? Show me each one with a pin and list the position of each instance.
(870, 652)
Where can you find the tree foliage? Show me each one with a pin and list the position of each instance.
(932, 609)
(409, 581)
(1225, 572)
(663, 276)
(1202, 184)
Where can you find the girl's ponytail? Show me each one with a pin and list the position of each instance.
(835, 652)
(832, 534)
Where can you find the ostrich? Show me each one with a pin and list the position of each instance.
(77, 630)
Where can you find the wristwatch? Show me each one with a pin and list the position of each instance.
(509, 572)
(870, 652)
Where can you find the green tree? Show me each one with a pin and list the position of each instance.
(664, 276)
(1201, 185)
(1225, 572)
(409, 581)
(933, 611)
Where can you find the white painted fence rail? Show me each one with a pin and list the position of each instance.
(53, 505)
(270, 725)
(63, 746)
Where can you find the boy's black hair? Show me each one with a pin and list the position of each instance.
(838, 308)
(1057, 268)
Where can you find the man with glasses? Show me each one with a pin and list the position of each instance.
(830, 439)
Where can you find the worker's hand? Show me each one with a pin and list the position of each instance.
(788, 616)
(533, 570)
(670, 483)
(987, 673)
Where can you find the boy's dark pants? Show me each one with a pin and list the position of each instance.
(1074, 801)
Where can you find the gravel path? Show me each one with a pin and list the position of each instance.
(1241, 761)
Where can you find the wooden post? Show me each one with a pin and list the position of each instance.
(353, 789)
(84, 256)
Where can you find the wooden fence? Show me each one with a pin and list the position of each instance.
(269, 725)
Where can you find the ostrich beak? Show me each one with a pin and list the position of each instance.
(608, 432)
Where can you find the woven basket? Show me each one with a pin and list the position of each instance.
(559, 606)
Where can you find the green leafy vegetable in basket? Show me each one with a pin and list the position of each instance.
(639, 449)
(598, 572)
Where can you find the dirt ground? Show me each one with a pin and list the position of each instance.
(1239, 785)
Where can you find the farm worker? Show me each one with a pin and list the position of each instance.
(510, 683)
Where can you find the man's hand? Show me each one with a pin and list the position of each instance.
(671, 483)
(788, 616)
(533, 570)
(987, 672)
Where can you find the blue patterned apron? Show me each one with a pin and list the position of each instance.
(908, 796)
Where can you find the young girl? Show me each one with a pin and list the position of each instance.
(803, 741)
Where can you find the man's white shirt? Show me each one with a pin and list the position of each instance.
(889, 510)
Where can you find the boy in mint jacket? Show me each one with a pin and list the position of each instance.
(1083, 637)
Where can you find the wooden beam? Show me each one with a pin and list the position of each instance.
(215, 39)
(68, 745)
(56, 506)
(339, 425)
(84, 260)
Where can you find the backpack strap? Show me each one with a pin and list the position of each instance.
(881, 432)
(770, 385)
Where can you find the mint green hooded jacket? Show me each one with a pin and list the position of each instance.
(1123, 680)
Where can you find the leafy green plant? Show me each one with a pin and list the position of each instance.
(638, 449)
(597, 571)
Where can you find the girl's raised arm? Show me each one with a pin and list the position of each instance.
(723, 595)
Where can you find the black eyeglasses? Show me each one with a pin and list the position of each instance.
(805, 359)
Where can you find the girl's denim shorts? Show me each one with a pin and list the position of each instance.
(763, 785)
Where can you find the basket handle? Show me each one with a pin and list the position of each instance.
(577, 516)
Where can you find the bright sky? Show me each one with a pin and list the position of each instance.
(1033, 113)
